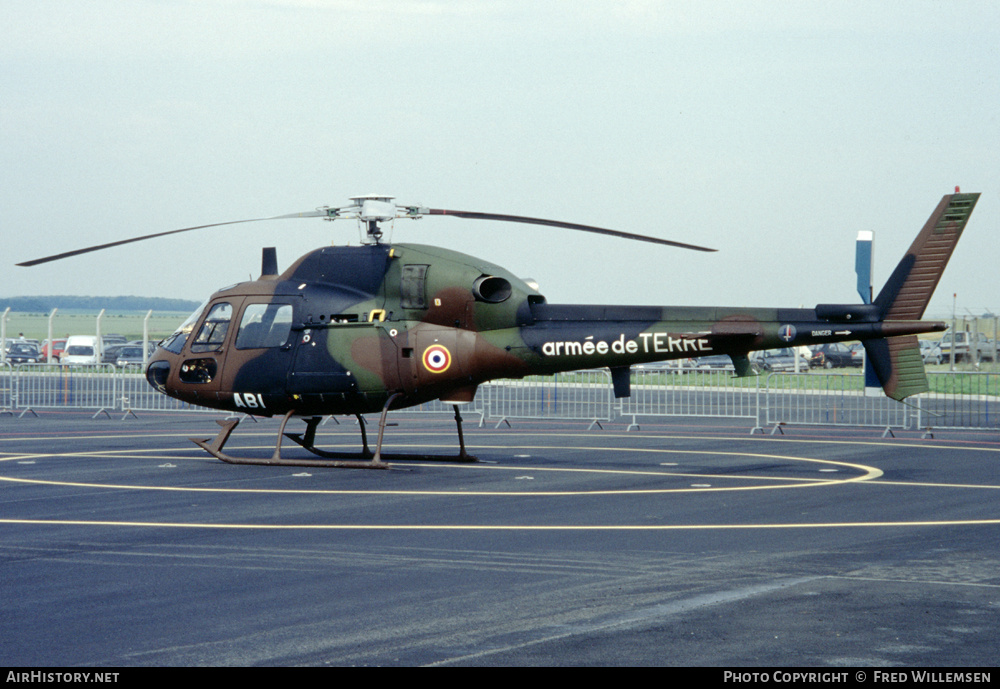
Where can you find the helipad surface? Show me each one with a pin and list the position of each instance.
(124, 544)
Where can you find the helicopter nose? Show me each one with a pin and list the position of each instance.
(157, 373)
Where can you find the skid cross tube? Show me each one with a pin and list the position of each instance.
(343, 460)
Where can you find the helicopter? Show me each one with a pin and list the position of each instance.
(353, 330)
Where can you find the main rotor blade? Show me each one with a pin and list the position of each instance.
(352, 211)
(472, 215)
(98, 247)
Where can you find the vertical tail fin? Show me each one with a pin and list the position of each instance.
(897, 361)
(908, 290)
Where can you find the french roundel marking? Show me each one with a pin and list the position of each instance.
(437, 359)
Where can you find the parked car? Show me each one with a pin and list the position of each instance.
(715, 362)
(857, 354)
(969, 346)
(671, 364)
(131, 354)
(24, 353)
(832, 355)
(11, 341)
(773, 360)
(58, 347)
(931, 352)
(81, 349)
(109, 354)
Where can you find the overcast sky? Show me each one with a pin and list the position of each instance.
(773, 131)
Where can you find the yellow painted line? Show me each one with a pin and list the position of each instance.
(927, 484)
(866, 474)
(348, 437)
(648, 435)
(490, 527)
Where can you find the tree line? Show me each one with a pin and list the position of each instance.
(76, 303)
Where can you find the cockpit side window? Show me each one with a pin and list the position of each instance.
(264, 325)
(213, 331)
(175, 342)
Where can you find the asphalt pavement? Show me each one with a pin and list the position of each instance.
(686, 543)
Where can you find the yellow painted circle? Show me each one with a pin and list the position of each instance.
(858, 473)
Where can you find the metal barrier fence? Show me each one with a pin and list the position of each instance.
(830, 399)
(672, 392)
(6, 387)
(134, 393)
(101, 388)
(959, 400)
(44, 386)
(580, 395)
(476, 407)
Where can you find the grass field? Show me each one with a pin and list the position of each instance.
(965, 380)
(128, 323)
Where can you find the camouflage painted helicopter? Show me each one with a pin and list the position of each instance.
(366, 329)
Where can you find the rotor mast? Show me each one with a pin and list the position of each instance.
(373, 209)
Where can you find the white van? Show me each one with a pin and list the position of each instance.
(81, 349)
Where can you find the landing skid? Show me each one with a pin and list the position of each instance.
(214, 448)
(347, 460)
